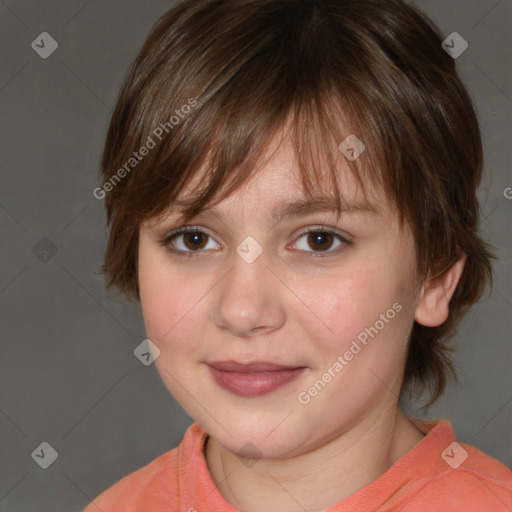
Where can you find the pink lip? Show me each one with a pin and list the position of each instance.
(252, 379)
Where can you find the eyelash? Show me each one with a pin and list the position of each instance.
(166, 241)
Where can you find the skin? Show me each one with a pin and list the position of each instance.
(293, 307)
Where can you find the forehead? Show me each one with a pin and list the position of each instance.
(276, 185)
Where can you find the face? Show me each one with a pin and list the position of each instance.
(278, 333)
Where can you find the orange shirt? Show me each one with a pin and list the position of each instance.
(435, 476)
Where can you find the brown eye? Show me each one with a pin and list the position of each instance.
(320, 241)
(195, 240)
(189, 241)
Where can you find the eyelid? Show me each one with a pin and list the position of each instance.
(343, 237)
(167, 238)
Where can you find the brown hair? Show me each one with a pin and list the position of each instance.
(218, 80)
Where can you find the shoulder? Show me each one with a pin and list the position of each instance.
(443, 474)
(480, 479)
(470, 481)
(156, 486)
(152, 487)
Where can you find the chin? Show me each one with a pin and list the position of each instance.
(261, 440)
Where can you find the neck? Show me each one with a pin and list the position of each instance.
(321, 477)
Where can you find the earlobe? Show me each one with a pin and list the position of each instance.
(434, 303)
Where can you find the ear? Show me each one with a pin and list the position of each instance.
(433, 306)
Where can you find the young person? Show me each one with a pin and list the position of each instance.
(291, 190)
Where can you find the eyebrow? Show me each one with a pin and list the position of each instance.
(318, 205)
(299, 208)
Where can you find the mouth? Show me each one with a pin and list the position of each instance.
(252, 379)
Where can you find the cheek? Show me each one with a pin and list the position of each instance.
(165, 297)
(157, 301)
(348, 303)
(361, 354)
(176, 306)
(171, 303)
(365, 317)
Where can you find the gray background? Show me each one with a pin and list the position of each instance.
(68, 375)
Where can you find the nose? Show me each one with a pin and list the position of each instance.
(249, 299)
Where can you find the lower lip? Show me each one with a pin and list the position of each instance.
(254, 384)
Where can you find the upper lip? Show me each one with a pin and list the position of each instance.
(254, 367)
